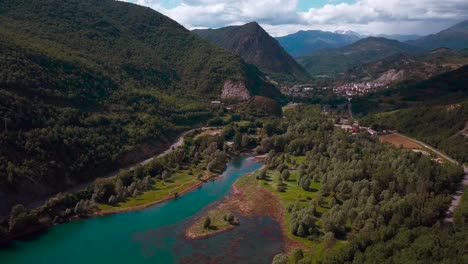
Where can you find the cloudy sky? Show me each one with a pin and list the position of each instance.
(281, 17)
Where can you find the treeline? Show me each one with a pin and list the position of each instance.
(206, 153)
(380, 199)
(199, 153)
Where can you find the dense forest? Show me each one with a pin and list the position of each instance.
(362, 201)
(85, 86)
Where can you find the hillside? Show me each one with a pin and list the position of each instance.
(257, 47)
(401, 38)
(407, 67)
(442, 126)
(305, 43)
(332, 62)
(443, 89)
(89, 86)
(455, 37)
(434, 111)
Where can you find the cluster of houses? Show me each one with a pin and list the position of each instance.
(356, 89)
(355, 128)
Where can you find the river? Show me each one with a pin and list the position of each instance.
(155, 235)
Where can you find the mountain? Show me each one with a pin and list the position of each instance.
(332, 62)
(257, 47)
(401, 38)
(455, 37)
(444, 89)
(90, 86)
(305, 43)
(407, 67)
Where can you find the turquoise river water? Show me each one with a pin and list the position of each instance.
(156, 234)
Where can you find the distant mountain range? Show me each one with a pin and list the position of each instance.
(332, 62)
(257, 47)
(455, 37)
(305, 43)
(401, 38)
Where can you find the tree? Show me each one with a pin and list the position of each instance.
(237, 140)
(262, 174)
(207, 223)
(329, 240)
(300, 231)
(113, 200)
(164, 175)
(245, 141)
(103, 189)
(281, 259)
(297, 255)
(285, 174)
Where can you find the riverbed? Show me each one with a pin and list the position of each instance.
(156, 234)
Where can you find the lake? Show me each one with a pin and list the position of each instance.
(155, 234)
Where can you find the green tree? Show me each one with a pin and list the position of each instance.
(207, 223)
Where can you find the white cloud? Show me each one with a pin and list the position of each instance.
(281, 17)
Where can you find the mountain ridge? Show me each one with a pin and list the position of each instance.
(455, 37)
(256, 46)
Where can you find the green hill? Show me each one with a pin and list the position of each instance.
(257, 47)
(336, 61)
(89, 86)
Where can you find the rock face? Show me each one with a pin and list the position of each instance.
(235, 91)
(391, 76)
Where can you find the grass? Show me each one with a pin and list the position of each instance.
(178, 182)
(218, 224)
(294, 194)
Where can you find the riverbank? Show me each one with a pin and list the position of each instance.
(172, 193)
(247, 198)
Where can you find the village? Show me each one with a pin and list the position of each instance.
(357, 89)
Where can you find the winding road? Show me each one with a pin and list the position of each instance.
(179, 142)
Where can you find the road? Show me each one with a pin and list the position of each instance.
(179, 142)
(457, 197)
(430, 148)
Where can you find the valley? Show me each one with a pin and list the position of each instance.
(127, 137)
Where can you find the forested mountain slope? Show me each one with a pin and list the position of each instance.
(305, 43)
(88, 86)
(335, 61)
(257, 47)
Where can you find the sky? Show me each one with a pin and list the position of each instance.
(282, 17)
